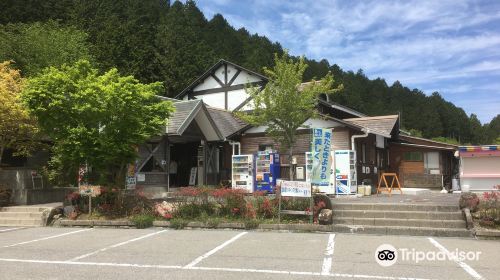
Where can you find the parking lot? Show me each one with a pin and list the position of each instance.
(101, 253)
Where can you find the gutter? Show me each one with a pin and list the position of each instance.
(353, 138)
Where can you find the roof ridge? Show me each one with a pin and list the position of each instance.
(372, 118)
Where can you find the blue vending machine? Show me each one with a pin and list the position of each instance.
(267, 170)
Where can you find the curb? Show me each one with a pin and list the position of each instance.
(336, 228)
(487, 234)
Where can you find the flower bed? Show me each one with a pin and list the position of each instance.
(485, 208)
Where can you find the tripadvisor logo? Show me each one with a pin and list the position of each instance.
(387, 255)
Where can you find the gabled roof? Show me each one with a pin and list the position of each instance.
(211, 70)
(185, 113)
(227, 123)
(381, 125)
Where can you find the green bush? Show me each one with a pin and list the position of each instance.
(143, 220)
(178, 223)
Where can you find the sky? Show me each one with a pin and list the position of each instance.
(448, 46)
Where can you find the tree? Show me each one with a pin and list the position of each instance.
(40, 45)
(284, 104)
(95, 119)
(17, 128)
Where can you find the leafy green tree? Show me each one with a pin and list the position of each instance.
(95, 119)
(17, 128)
(28, 11)
(182, 52)
(39, 45)
(123, 34)
(284, 104)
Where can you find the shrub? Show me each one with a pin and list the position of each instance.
(5, 195)
(178, 223)
(251, 223)
(469, 200)
(143, 220)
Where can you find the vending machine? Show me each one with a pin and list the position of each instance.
(267, 170)
(242, 172)
(345, 172)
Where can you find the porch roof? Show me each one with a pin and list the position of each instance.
(227, 123)
(193, 110)
(381, 125)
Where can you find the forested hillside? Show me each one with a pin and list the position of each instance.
(174, 43)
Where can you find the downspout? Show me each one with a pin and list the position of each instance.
(234, 143)
(353, 138)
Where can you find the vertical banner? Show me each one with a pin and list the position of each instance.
(321, 167)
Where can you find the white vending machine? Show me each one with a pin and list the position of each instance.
(345, 172)
(242, 172)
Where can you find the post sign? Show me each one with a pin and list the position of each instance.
(321, 165)
(89, 190)
(296, 188)
(130, 179)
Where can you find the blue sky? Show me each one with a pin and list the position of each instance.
(452, 47)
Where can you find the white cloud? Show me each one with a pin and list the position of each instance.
(450, 46)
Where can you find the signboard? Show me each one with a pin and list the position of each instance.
(89, 190)
(321, 163)
(342, 170)
(192, 176)
(130, 179)
(141, 177)
(295, 188)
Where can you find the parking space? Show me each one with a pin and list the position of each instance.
(355, 254)
(177, 248)
(40, 253)
(262, 250)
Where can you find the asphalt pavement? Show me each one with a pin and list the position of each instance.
(156, 253)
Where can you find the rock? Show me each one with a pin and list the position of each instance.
(56, 217)
(325, 217)
(68, 210)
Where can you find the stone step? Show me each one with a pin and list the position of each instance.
(28, 215)
(457, 215)
(400, 222)
(20, 222)
(394, 207)
(395, 230)
(23, 209)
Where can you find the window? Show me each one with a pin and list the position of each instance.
(265, 147)
(413, 156)
(431, 160)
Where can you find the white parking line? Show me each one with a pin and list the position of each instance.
(117, 245)
(327, 261)
(9, 229)
(241, 270)
(214, 250)
(451, 256)
(46, 238)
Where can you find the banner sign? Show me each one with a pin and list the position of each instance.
(295, 188)
(321, 145)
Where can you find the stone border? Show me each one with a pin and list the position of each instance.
(487, 234)
(237, 226)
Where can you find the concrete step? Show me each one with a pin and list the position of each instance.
(395, 230)
(20, 222)
(400, 222)
(394, 207)
(457, 215)
(28, 215)
(23, 209)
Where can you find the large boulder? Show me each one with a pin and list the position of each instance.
(325, 217)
